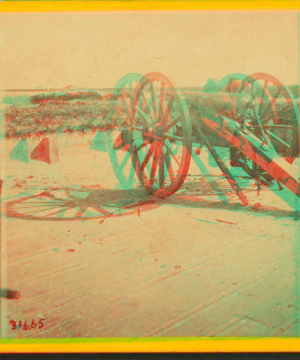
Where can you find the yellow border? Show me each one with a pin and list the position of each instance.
(91, 6)
(153, 344)
(166, 345)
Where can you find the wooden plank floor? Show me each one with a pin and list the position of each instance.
(189, 265)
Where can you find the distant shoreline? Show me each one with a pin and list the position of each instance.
(294, 89)
(37, 90)
(85, 89)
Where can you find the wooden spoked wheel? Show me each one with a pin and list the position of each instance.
(162, 135)
(148, 134)
(275, 116)
(262, 105)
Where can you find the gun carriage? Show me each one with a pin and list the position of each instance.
(153, 130)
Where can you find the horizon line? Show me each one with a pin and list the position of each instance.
(55, 89)
(104, 88)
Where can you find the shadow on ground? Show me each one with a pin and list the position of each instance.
(73, 204)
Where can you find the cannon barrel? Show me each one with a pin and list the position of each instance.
(279, 118)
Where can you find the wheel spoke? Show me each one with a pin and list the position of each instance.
(172, 123)
(126, 105)
(161, 116)
(124, 161)
(53, 197)
(145, 116)
(176, 149)
(135, 167)
(146, 105)
(152, 110)
(168, 108)
(174, 157)
(123, 115)
(131, 173)
(289, 127)
(265, 85)
(132, 100)
(140, 147)
(169, 165)
(144, 160)
(278, 139)
(276, 96)
(41, 206)
(97, 209)
(154, 166)
(80, 212)
(43, 209)
(58, 212)
(161, 163)
(262, 101)
(147, 157)
(155, 102)
(130, 90)
(50, 202)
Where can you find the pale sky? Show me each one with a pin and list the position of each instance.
(95, 50)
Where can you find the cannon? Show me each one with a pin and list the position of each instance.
(153, 130)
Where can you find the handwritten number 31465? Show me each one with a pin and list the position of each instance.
(26, 326)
